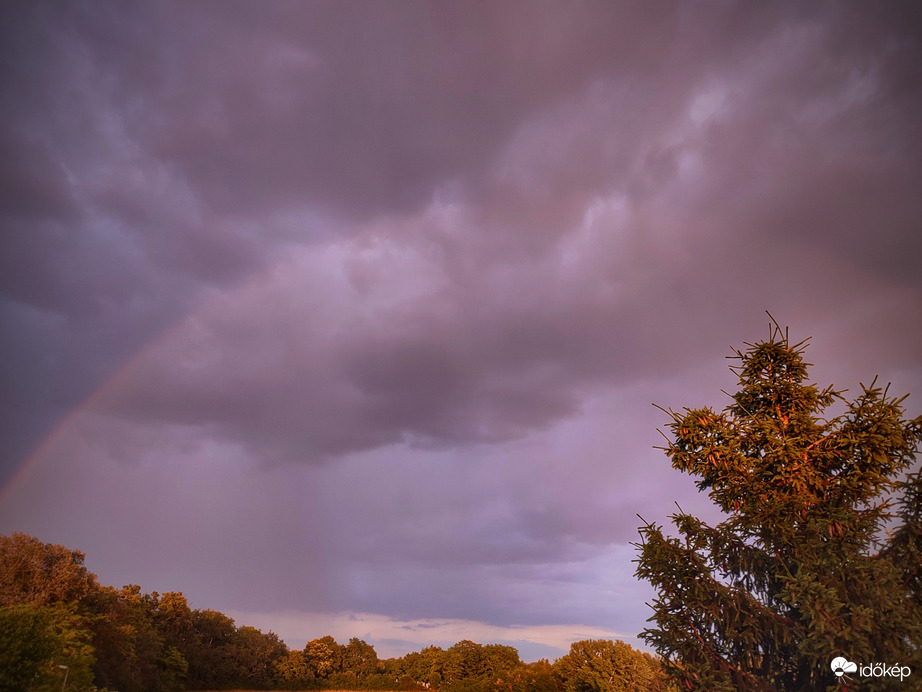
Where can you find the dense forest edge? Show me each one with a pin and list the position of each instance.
(57, 620)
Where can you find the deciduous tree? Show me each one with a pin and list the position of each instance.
(41, 573)
(602, 665)
(26, 646)
(323, 656)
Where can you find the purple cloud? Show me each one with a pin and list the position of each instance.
(381, 295)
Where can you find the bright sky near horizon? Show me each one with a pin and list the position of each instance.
(347, 318)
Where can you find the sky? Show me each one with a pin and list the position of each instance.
(348, 318)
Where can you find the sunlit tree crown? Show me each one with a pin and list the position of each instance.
(802, 568)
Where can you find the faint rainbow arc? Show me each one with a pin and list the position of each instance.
(120, 375)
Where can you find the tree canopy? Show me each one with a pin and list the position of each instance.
(54, 614)
(818, 555)
(609, 666)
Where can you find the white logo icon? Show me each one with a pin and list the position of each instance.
(840, 666)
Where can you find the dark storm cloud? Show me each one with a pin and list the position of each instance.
(578, 190)
(33, 184)
(453, 250)
(370, 108)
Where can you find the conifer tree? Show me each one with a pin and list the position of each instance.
(819, 552)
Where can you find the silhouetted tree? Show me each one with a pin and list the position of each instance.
(802, 569)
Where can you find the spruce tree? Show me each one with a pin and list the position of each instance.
(819, 552)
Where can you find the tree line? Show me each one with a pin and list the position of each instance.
(56, 619)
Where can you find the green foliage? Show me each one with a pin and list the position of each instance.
(465, 660)
(56, 614)
(53, 613)
(212, 634)
(360, 658)
(173, 668)
(600, 665)
(26, 646)
(536, 677)
(801, 570)
(291, 671)
(35, 642)
(323, 657)
(131, 653)
(73, 647)
(52, 581)
(253, 655)
(469, 666)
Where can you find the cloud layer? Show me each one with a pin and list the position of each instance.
(335, 308)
